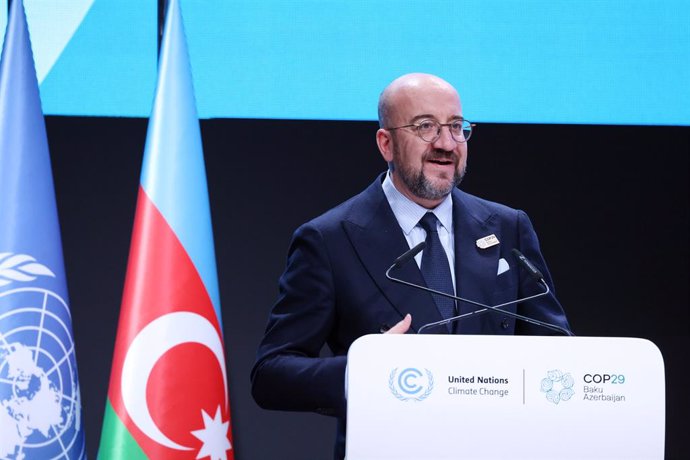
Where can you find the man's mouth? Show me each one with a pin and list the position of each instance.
(441, 161)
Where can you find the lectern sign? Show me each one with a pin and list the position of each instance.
(494, 397)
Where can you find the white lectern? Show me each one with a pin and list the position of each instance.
(493, 397)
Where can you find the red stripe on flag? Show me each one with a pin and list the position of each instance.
(187, 378)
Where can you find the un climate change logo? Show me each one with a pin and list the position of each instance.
(39, 396)
(411, 384)
(558, 386)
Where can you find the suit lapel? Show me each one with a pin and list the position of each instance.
(378, 240)
(475, 268)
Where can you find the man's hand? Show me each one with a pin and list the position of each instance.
(402, 327)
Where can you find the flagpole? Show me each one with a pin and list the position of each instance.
(162, 8)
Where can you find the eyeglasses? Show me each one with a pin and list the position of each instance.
(430, 130)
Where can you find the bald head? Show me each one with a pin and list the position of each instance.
(408, 87)
(425, 171)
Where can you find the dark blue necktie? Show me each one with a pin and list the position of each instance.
(435, 267)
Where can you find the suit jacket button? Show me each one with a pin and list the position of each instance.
(505, 323)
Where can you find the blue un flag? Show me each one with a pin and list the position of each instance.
(40, 408)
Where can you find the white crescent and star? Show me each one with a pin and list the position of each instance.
(152, 342)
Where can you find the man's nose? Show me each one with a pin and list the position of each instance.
(445, 140)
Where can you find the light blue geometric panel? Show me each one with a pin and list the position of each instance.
(108, 68)
(61, 18)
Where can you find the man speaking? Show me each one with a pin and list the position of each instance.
(335, 290)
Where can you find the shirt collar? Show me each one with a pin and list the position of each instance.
(408, 213)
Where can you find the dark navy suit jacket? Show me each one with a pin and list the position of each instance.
(334, 290)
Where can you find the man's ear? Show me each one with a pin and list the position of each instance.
(384, 140)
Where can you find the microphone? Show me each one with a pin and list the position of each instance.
(527, 265)
(522, 260)
(410, 254)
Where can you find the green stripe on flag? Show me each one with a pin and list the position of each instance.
(116, 441)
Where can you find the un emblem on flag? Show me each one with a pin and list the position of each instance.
(39, 395)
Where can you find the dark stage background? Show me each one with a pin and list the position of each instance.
(610, 204)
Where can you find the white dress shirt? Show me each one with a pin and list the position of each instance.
(408, 213)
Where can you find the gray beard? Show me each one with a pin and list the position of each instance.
(421, 187)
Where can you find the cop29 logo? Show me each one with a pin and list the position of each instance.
(558, 386)
(411, 384)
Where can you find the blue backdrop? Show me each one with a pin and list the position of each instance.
(533, 61)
